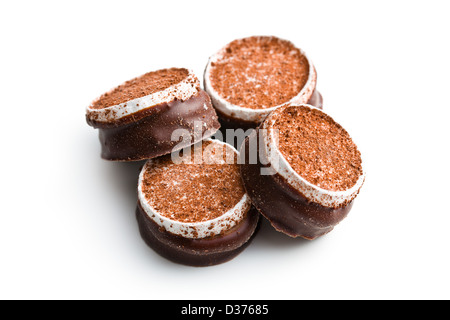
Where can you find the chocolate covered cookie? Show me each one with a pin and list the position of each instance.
(137, 119)
(193, 208)
(250, 77)
(306, 173)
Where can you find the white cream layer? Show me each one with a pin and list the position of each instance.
(183, 90)
(195, 230)
(326, 198)
(248, 114)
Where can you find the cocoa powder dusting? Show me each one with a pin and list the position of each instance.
(259, 72)
(199, 189)
(318, 148)
(144, 85)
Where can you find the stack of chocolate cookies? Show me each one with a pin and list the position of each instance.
(201, 198)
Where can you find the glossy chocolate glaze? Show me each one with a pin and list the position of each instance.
(147, 134)
(286, 208)
(198, 252)
(227, 122)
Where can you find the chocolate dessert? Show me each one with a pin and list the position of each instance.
(193, 208)
(136, 119)
(250, 77)
(307, 174)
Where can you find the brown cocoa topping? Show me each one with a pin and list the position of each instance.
(318, 148)
(259, 72)
(144, 85)
(199, 189)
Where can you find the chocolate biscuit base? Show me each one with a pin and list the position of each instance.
(286, 208)
(148, 133)
(198, 252)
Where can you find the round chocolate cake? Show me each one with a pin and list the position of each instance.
(193, 208)
(307, 173)
(136, 120)
(250, 77)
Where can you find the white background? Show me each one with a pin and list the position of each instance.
(67, 225)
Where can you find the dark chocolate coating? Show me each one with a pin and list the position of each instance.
(285, 207)
(227, 122)
(198, 252)
(147, 134)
